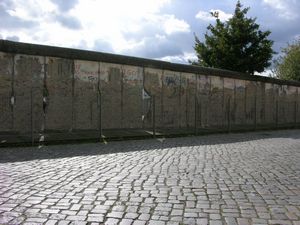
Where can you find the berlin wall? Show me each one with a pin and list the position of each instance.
(49, 93)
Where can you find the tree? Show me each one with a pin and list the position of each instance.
(237, 44)
(287, 67)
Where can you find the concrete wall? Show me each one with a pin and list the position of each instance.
(86, 93)
(59, 88)
(44, 91)
(6, 91)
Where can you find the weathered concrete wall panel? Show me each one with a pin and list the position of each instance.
(132, 99)
(6, 92)
(203, 92)
(111, 77)
(59, 85)
(229, 90)
(28, 90)
(153, 89)
(250, 102)
(298, 105)
(171, 99)
(240, 103)
(270, 104)
(282, 104)
(188, 86)
(260, 103)
(86, 94)
(291, 104)
(216, 115)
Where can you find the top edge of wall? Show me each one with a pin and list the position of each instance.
(70, 53)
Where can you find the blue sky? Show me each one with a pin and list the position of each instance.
(158, 29)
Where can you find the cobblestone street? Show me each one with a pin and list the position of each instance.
(249, 178)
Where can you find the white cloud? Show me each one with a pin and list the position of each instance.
(182, 58)
(266, 73)
(38, 11)
(174, 25)
(206, 16)
(106, 21)
(146, 28)
(94, 21)
(203, 15)
(287, 9)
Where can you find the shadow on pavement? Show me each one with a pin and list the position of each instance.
(61, 151)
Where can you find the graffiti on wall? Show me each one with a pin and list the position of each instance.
(228, 83)
(122, 93)
(203, 84)
(240, 86)
(132, 75)
(86, 71)
(171, 80)
(172, 84)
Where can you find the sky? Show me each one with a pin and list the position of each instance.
(156, 29)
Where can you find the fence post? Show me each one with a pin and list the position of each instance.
(31, 116)
(228, 115)
(153, 117)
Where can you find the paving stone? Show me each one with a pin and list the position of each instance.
(36, 220)
(281, 222)
(79, 223)
(144, 216)
(75, 207)
(115, 214)
(98, 218)
(155, 222)
(50, 211)
(31, 223)
(139, 222)
(76, 218)
(112, 221)
(173, 223)
(68, 212)
(230, 221)
(213, 216)
(51, 222)
(57, 216)
(243, 221)
(190, 221)
(259, 221)
(131, 215)
(126, 222)
(176, 212)
(190, 215)
(63, 222)
(5, 219)
(238, 179)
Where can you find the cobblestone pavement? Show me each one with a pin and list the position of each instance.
(250, 178)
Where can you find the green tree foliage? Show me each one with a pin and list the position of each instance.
(237, 44)
(287, 67)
